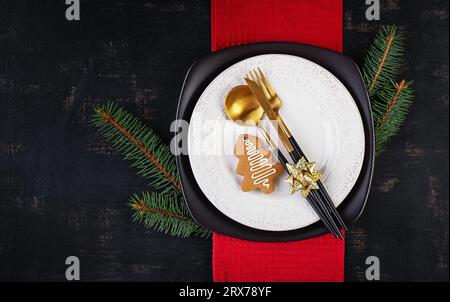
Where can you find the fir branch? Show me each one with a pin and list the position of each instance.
(390, 110)
(165, 213)
(138, 143)
(384, 59)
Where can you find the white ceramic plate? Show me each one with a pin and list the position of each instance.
(322, 116)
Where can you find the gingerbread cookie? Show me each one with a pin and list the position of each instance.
(256, 165)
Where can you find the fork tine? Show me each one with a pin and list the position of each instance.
(253, 77)
(267, 83)
(261, 84)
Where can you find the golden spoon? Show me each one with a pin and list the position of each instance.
(241, 101)
(242, 107)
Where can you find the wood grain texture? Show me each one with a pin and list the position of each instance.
(63, 191)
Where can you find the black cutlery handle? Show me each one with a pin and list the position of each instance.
(320, 211)
(317, 204)
(294, 155)
(322, 190)
(327, 198)
(281, 157)
(296, 147)
(315, 197)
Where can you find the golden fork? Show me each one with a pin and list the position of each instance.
(275, 102)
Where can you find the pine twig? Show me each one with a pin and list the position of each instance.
(390, 100)
(390, 110)
(165, 213)
(384, 59)
(138, 143)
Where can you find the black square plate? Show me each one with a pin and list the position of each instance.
(206, 69)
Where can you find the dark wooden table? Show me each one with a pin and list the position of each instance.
(63, 191)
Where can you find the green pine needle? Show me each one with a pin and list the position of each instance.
(384, 59)
(165, 213)
(389, 112)
(139, 144)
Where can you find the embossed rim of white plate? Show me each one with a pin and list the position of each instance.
(279, 211)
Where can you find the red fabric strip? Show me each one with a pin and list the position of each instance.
(316, 22)
(314, 260)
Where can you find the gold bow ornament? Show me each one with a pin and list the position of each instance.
(303, 177)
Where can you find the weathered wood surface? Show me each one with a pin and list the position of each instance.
(64, 192)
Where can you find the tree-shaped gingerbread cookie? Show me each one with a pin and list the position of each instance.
(256, 165)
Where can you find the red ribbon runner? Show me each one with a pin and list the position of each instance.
(315, 22)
